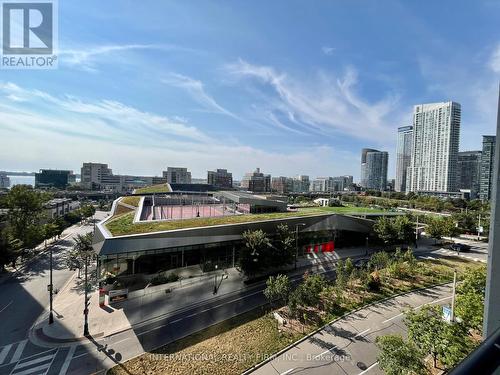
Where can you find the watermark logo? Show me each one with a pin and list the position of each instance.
(29, 34)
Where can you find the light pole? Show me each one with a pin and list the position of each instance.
(297, 242)
(215, 280)
(416, 234)
(51, 314)
(479, 228)
(86, 310)
(452, 318)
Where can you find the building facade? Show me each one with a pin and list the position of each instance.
(220, 178)
(374, 169)
(256, 182)
(301, 184)
(487, 167)
(54, 178)
(177, 175)
(282, 185)
(92, 174)
(436, 133)
(403, 156)
(469, 172)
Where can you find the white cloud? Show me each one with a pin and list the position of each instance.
(197, 91)
(326, 103)
(494, 62)
(45, 131)
(87, 58)
(328, 50)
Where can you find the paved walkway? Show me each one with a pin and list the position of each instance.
(347, 346)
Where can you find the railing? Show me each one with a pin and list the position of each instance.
(484, 360)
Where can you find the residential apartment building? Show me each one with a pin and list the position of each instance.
(469, 172)
(256, 182)
(282, 185)
(220, 178)
(323, 185)
(301, 184)
(403, 156)
(177, 175)
(436, 133)
(487, 167)
(374, 169)
(54, 178)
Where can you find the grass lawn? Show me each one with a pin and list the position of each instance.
(124, 224)
(132, 200)
(231, 347)
(161, 188)
(237, 344)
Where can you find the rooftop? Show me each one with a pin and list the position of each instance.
(123, 224)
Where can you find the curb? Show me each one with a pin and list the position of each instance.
(270, 358)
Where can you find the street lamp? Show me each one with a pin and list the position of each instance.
(51, 314)
(215, 280)
(86, 310)
(297, 242)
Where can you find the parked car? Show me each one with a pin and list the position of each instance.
(459, 247)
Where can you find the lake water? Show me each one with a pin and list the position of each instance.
(22, 180)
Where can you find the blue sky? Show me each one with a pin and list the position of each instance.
(292, 87)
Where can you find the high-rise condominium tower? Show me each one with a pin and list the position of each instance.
(469, 171)
(436, 133)
(487, 167)
(403, 156)
(374, 169)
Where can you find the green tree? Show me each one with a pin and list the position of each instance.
(379, 260)
(425, 329)
(340, 274)
(385, 230)
(10, 248)
(87, 210)
(81, 252)
(277, 288)
(285, 246)
(450, 228)
(26, 209)
(399, 357)
(405, 229)
(470, 298)
(254, 256)
(455, 344)
(435, 228)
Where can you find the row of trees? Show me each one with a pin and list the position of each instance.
(399, 230)
(316, 292)
(429, 335)
(27, 225)
(262, 253)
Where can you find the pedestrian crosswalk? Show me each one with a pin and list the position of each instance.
(38, 364)
(12, 353)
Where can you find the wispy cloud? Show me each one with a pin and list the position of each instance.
(87, 58)
(131, 140)
(329, 51)
(197, 91)
(494, 62)
(326, 103)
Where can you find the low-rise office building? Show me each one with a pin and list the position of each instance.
(54, 178)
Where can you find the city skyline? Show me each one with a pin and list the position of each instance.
(291, 107)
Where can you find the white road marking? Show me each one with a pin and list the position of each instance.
(362, 333)
(418, 307)
(4, 352)
(41, 364)
(19, 351)
(287, 371)
(176, 320)
(6, 306)
(67, 361)
(34, 361)
(368, 369)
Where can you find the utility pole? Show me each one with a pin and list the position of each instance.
(452, 319)
(86, 310)
(51, 314)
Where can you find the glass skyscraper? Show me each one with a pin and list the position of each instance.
(403, 156)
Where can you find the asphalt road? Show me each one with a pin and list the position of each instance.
(23, 299)
(348, 345)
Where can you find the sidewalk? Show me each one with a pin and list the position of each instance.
(153, 302)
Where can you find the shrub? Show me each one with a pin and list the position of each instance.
(373, 282)
(161, 278)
